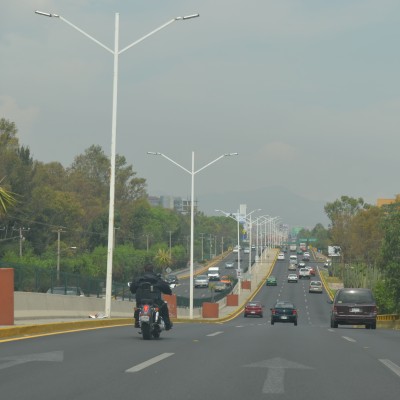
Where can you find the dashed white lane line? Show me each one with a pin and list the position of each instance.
(150, 362)
(348, 339)
(215, 333)
(391, 365)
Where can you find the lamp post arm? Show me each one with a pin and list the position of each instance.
(174, 162)
(84, 33)
(146, 36)
(214, 161)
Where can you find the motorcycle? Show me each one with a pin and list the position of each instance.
(150, 321)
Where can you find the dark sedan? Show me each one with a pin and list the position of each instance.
(284, 312)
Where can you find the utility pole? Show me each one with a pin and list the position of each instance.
(202, 246)
(147, 241)
(210, 240)
(21, 237)
(170, 233)
(58, 251)
(222, 246)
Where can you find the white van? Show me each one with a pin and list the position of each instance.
(213, 273)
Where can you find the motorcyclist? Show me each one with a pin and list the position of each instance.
(155, 280)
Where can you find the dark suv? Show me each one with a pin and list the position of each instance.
(354, 306)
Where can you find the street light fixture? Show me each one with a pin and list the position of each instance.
(250, 238)
(116, 52)
(230, 215)
(192, 172)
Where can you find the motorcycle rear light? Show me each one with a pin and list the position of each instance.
(146, 308)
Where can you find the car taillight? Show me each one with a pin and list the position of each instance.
(294, 312)
(273, 312)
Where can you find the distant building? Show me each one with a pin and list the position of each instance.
(154, 201)
(167, 202)
(384, 202)
(178, 204)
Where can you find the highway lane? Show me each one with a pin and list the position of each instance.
(243, 358)
(183, 288)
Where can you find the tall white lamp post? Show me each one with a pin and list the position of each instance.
(116, 52)
(250, 238)
(230, 215)
(192, 172)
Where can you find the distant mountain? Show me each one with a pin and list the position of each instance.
(294, 210)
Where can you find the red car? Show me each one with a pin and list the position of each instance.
(253, 308)
(312, 271)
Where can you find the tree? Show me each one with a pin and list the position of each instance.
(389, 261)
(7, 199)
(341, 213)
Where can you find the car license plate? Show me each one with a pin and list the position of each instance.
(284, 317)
(145, 318)
(252, 312)
(355, 310)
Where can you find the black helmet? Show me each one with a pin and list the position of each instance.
(148, 268)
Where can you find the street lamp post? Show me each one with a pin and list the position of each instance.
(116, 52)
(192, 172)
(250, 238)
(238, 271)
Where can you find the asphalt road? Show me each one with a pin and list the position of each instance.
(246, 358)
(183, 288)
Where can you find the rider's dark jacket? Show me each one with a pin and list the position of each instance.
(154, 280)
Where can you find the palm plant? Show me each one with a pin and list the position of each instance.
(7, 199)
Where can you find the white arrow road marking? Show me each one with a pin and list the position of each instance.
(54, 356)
(150, 362)
(215, 334)
(274, 382)
(391, 365)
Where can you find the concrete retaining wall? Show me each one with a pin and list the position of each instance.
(42, 305)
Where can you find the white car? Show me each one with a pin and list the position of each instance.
(229, 264)
(236, 249)
(246, 250)
(292, 278)
(315, 287)
(281, 256)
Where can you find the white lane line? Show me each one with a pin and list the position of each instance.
(215, 334)
(391, 365)
(349, 339)
(150, 362)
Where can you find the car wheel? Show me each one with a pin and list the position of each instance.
(261, 315)
(334, 324)
(295, 323)
(272, 322)
(373, 325)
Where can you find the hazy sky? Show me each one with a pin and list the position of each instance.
(307, 92)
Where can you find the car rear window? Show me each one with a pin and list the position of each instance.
(359, 297)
